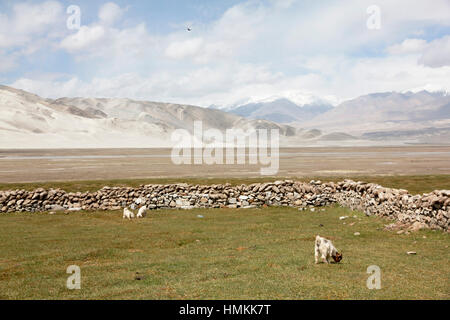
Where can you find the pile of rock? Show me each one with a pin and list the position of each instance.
(432, 209)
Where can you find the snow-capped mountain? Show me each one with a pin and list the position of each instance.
(280, 109)
(298, 98)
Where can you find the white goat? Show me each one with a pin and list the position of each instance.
(142, 212)
(128, 214)
(325, 250)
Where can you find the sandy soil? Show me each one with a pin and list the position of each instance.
(92, 164)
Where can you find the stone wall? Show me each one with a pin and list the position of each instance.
(432, 209)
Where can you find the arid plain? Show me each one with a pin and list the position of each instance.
(104, 164)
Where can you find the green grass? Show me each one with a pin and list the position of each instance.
(414, 184)
(228, 254)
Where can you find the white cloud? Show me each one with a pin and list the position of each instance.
(36, 18)
(399, 11)
(396, 73)
(84, 38)
(256, 49)
(432, 54)
(227, 38)
(28, 29)
(29, 22)
(108, 44)
(225, 85)
(342, 27)
(200, 86)
(110, 13)
(283, 3)
(408, 46)
(182, 49)
(437, 53)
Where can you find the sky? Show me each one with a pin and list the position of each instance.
(236, 51)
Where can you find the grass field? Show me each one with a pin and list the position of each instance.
(227, 254)
(414, 184)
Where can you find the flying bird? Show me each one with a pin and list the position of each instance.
(189, 29)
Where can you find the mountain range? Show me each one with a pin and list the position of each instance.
(281, 110)
(30, 121)
(387, 111)
(414, 117)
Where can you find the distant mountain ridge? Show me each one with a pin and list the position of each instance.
(279, 109)
(29, 121)
(386, 111)
(408, 115)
